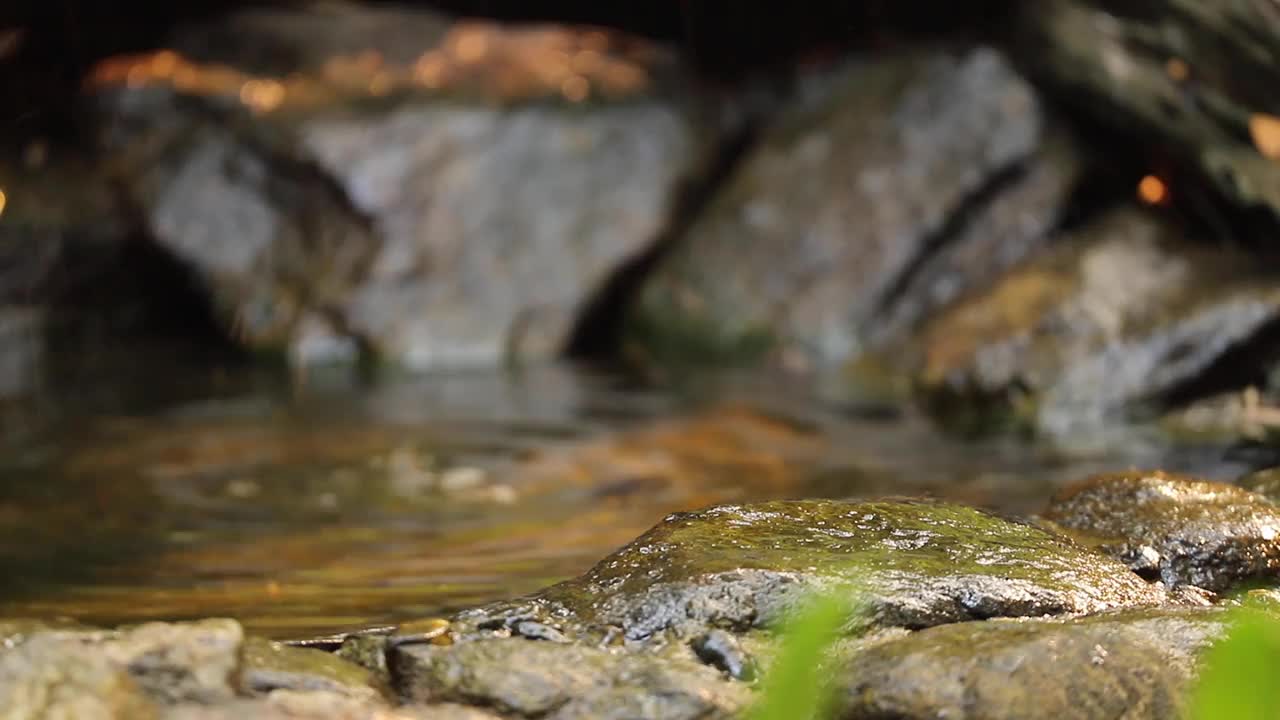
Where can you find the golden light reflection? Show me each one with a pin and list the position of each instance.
(1265, 131)
(470, 44)
(475, 58)
(1177, 69)
(262, 95)
(1152, 190)
(3, 201)
(575, 88)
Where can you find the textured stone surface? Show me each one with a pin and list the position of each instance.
(1195, 79)
(555, 680)
(1174, 528)
(1117, 665)
(1114, 315)
(269, 666)
(914, 564)
(811, 235)
(440, 193)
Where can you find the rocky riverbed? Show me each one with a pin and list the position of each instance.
(289, 425)
(1098, 606)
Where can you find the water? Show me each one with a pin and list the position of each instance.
(302, 505)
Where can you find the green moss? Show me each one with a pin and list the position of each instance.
(659, 333)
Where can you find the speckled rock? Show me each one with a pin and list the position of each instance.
(914, 564)
(829, 213)
(1174, 528)
(68, 672)
(1119, 313)
(536, 678)
(1135, 665)
(438, 193)
(268, 666)
(52, 677)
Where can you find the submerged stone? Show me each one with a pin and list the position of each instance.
(1175, 528)
(555, 680)
(1131, 664)
(912, 564)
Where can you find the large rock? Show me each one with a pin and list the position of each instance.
(831, 215)
(1122, 312)
(913, 564)
(1176, 529)
(441, 193)
(1135, 665)
(1195, 80)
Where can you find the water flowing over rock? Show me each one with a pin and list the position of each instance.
(1121, 312)
(440, 193)
(1176, 529)
(840, 199)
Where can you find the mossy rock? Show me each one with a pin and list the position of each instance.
(1131, 664)
(912, 564)
(1174, 528)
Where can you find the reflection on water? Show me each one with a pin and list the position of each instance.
(309, 505)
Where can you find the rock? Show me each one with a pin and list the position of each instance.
(1174, 528)
(841, 198)
(913, 564)
(721, 651)
(177, 662)
(441, 193)
(1017, 221)
(1134, 664)
(269, 666)
(557, 680)
(1120, 313)
(291, 705)
(1265, 482)
(1192, 79)
(51, 677)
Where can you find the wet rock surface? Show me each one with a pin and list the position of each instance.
(1121, 312)
(269, 666)
(544, 679)
(1176, 529)
(453, 205)
(914, 564)
(962, 614)
(838, 201)
(1134, 664)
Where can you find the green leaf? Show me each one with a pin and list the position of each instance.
(1240, 677)
(796, 688)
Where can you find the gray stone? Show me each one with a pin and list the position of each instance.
(1177, 529)
(1119, 313)
(435, 196)
(555, 680)
(53, 677)
(1133, 664)
(813, 234)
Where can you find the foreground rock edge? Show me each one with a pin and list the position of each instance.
(663, 627)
